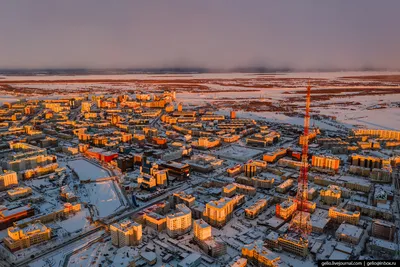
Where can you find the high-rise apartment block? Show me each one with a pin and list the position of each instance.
(179, 223)
(383, 229)
(126, 233)
(326, 162)
(218, 213)
(201, 229)
(8, 179)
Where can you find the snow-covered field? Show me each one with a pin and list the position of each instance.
(77, 222)
(238, 153)
(327, 75)
(5, 98)
(104, 197)
(87, 170)
(345, 113)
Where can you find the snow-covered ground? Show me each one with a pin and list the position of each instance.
(6, 98)
(238, 153)
(77, 222)
(327, 75)
(104, 197)
(87, 170)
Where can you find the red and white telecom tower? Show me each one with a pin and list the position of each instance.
(301, 222)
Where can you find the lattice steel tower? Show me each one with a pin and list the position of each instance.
(301, 221)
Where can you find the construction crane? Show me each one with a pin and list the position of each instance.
(301, 221)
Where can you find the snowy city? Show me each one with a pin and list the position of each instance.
(154, 173)
(199, 133)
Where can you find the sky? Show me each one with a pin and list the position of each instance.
(222, 34)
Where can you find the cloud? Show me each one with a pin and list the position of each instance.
(209, 34)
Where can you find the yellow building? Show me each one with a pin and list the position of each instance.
(8, 179)
(32, 162)
(366, 161)
(241, 262)
(263, 139)
(342, 215)
(245, 189)
(294, 244)
(179, 223)
(126, 233)
(201, 229)
(250, 170)
(384, 134)
(180, 107)
(147, 181)
(326, 162)
(160, 176)
(212, 117)
(274, 156)
(260, 255)
(289, 163)
(155, 221)
(85, 106)
(218, 213)
(229, 190)
(90, 115)
(234, 170)
(255, 209)
(285, 209)
(19, 238)
(169, 108)
(19, 192)
(263, 182)
(285, 186)
(207, 142)
(182, 197)
(331, 195)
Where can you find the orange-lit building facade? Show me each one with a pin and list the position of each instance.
(331, 195)
(326, 162)
(19, 238)
(126, 233)
(286, 209)
(218, 213)
(341, 215)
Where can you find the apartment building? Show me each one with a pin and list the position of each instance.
(331, 195)
(20, 238)
(254, 210)
(260, 255)
(179, 223)
(219, 212)
(8, 179)
(126, 233)
(341, 215)
(326, 162)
